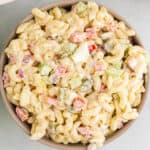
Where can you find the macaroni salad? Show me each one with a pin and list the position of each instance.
(75, 75)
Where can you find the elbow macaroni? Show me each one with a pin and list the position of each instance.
(109, 86)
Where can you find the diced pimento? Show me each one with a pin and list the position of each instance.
(21, 113)
(92, 48)
(61, 70)
(26, 59)
(78, 104)
(20, 73)
(86, 131)
(132, 62)
(103, 88)
(5, 78)
(52, 101)
(91, 33)
(110, 27)
(12, 59)
(99, 67)
(77, 37)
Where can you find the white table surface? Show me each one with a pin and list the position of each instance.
(137, 12)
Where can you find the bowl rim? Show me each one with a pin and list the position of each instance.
(24, 126)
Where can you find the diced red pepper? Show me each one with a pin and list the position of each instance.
(77, 37)
(92, 48)
(20, 73)
(26, 59)
(91, 33)
(78, 104)
(61, 70)
(52, 101)
(86, 131)
(99, 67)
(23, 116)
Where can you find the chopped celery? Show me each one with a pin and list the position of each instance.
(81, 7)
(117, 65)
(114, 72)
(66, 95)
(68, 49)
(86, 85)
(44, 69)
(75, 82)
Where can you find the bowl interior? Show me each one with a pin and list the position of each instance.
(25, 126)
